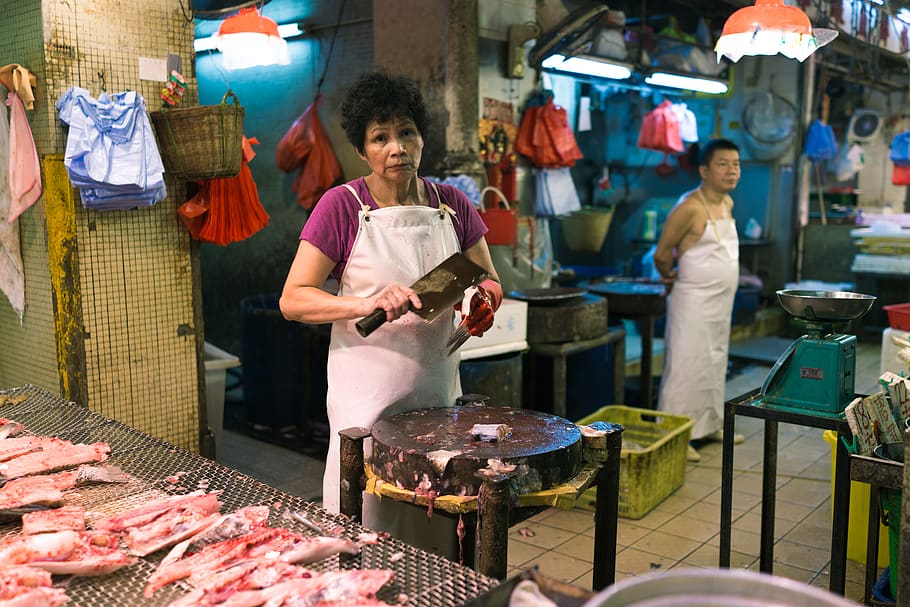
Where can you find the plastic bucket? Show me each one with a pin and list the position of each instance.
(857, 524)
(586, 229)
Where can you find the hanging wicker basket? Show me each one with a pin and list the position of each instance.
(201, 142)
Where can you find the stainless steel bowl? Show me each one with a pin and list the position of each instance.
(826, 306)
(701, 587)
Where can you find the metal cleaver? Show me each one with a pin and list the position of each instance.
(439, 290)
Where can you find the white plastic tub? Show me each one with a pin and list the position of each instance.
(217, 362)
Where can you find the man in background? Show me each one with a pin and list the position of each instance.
(698, 258)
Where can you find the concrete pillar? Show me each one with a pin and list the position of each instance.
(437, 46)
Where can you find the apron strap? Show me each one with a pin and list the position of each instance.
(443, 207)
(701, 198)
(363, 207)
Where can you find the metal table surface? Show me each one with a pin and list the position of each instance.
(749, 405)
(160, 469)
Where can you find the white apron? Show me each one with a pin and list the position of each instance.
(403, 365)
(697, 333)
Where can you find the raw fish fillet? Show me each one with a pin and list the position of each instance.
(51, 459)
(275, 543)
(46, 489)
(14, 447)
(233, 524)
(23, 586)
(9, 427)
(70, 518)
(65, 552)
(143, 515)
(270, 582)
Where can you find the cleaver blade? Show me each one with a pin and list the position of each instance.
(439, 290)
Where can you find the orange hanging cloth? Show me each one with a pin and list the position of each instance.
(234, 211)
(307, 147)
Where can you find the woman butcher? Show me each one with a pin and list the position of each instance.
(376, 235)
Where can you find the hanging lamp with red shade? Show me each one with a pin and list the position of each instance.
(250, 39)
(770, 27)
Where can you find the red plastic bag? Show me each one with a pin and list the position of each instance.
(545, 137)
(226, 210)
(307, 147)
(900, 175)
(660, 131)
(192, 212)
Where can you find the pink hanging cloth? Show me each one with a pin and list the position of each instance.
(24, 167)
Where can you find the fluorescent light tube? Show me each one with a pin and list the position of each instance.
(587, 65)
(690, 83)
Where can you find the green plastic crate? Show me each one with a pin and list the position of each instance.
(653, 461)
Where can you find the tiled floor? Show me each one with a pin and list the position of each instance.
(682, 531)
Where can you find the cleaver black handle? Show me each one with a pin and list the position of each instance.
(371, 322)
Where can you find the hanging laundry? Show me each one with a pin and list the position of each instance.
(660, 130)
(24, 167)
(226, 210)
(688, 126)
(12, 275)
(19, 80)
(111, 153)
(307, 147)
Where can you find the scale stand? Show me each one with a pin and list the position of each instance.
(817, 372)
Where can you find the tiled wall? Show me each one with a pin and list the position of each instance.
(135, 269)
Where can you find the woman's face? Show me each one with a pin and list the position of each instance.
(393, 148)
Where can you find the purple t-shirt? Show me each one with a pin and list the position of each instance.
(332, 225)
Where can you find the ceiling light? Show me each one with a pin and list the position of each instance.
(904, 15)
(689, 83)
(768, 28)
(249, 39)
(587, 65)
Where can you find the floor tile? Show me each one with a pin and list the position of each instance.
(674, 547)
(691, 528)
(522, 552)
(627, 533)
(576, 520)
(654, 519)
(800, 555)
(559, 566)
(540, 535)
(633, 561)
(580, 547)
(808, 492)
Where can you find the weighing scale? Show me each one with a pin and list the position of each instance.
(817, 372)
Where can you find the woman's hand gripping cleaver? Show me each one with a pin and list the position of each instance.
(439, 290)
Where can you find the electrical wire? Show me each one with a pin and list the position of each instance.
(328, 57)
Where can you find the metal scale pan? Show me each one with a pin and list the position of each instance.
(817, 371)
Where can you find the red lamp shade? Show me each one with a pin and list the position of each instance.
(248, 21)
(249, 39)
(768, 28)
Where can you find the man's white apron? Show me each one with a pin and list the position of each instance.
(697, 333)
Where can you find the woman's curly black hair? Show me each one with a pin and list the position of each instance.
(381, 96)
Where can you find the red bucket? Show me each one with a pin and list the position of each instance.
(502, 221)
